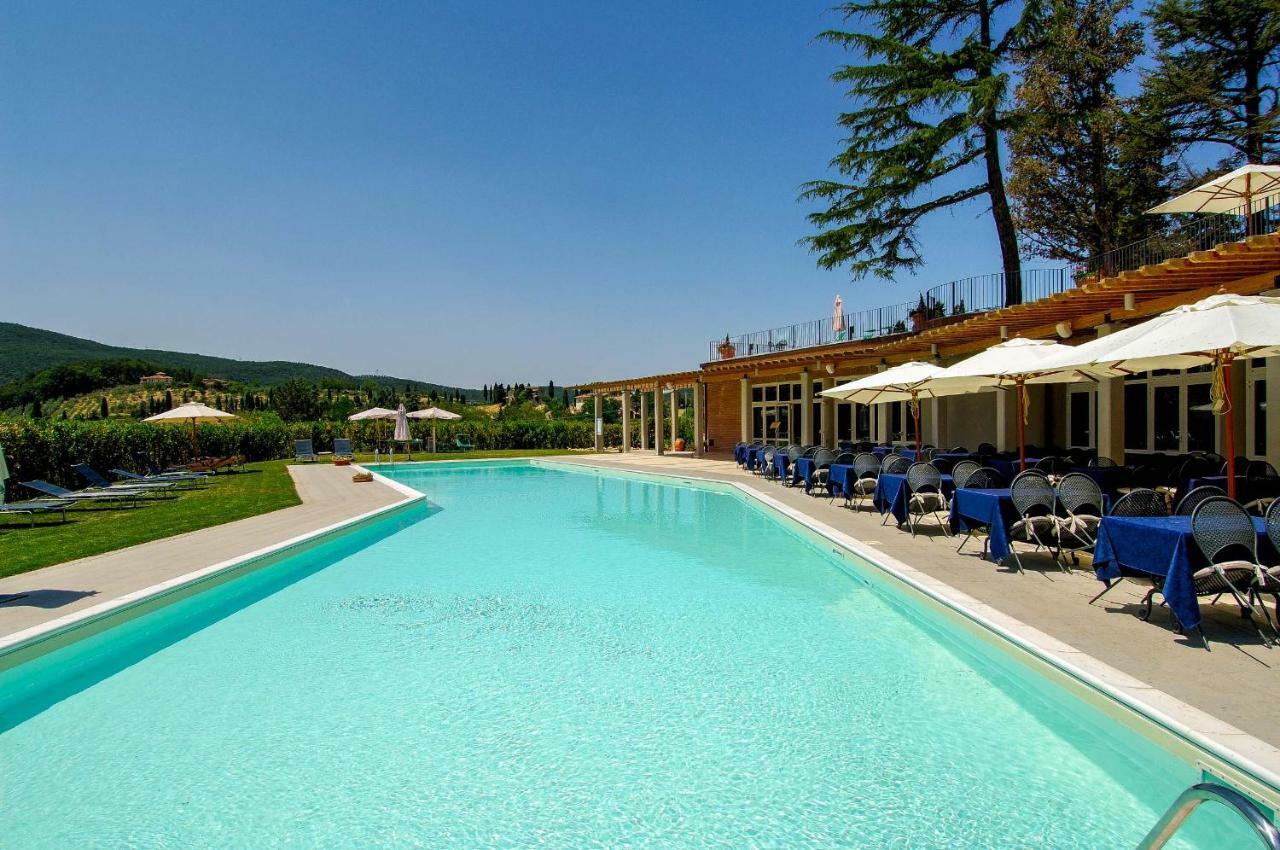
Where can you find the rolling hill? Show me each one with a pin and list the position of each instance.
(24, 350)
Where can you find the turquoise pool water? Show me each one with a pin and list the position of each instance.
(563, 660)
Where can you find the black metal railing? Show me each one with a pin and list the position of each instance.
(971, 295)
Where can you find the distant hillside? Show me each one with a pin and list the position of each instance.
(24, 350)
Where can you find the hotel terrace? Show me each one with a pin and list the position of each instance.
(766, 385)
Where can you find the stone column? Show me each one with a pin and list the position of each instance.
(626, 420)
(935, 424)
(744, 409)
(644, 420)
(1109, 440)
(827, 417)
(658, 439)
(880, 424)
(595, 425)
(806, 408)
(698, 437)
(675, 417)
(1273, 410)
(1006, 438)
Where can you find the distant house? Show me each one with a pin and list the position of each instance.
(157, 378)
(214, 382)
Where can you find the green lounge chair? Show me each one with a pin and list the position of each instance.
(463, 443)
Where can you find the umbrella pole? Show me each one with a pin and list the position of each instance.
(1231, 428)
(1022, 437)
(915, 413)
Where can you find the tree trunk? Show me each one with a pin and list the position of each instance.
(1004, 219)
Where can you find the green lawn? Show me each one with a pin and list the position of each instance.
(93, 529)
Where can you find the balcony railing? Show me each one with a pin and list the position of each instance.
(972, 295)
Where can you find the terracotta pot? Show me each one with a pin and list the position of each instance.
(679, 444)
(917, 321)
(342, 461)
(727, 351)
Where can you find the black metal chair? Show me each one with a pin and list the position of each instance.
(924, 496)
(962, 470)
(1187, 504)
(822, 460)
(1271, 575)
(1081, 498)
(985, 449)
(1142, 502)
(895, 464)
(982, 478)
(1224, 532)
(866, 468)
(766, 462)
(1103, 462)
(1034, 500)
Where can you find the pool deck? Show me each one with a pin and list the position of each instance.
(1236, 682)
(328, 496)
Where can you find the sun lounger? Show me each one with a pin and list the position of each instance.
(98, 481)
(89, 494)
(36, 506)
(463, 443)
(342, 448)
(160, 478)
(215, 464)
(303, 450)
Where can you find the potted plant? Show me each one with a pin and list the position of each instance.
(727, 349)
(919, 315)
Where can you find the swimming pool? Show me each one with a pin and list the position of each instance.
(565, 659)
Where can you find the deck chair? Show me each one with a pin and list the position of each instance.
(342, 448)
(98, 481)
(155, 473)
(36, 506)
(303, 450)
(463, 443)
(89, 494)
(215, 464)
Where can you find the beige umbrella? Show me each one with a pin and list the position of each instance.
(1230, 193)
(433, 413)
(193, 412)
(373, 413)
(837, 318)
(901, 383)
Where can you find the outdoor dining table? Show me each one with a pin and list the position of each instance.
(991, 508)
(840, 480)
(803, 469)
(881, 451)
(1247, 489)
(754, 454)
(1162, 547)
(780, 462)
(740, 454)
(1009, 467)
(891, 494)
(1108, 478)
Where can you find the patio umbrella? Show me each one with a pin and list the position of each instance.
(1012, 363)
(837, 318)
(1214, 331)
(4, 474)
(193, 412)
(373, 413)
(433, 413)
(1228, 194)
(900, 383)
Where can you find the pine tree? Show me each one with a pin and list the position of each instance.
(1216, 73)
(926, 131)
(1084, 167)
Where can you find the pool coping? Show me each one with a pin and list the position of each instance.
(1191, 734)
(25, 641)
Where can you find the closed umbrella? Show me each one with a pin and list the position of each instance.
(4, 474)
(433, 413)
(193, 412)
(1012, 363)
(1214, 331)
(900, 383)
(401, 434)
(837, 318)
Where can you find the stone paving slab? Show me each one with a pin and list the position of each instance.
(328, 496)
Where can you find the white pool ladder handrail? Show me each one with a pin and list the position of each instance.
(1187, 802)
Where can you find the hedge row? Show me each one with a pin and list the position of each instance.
(47, 448)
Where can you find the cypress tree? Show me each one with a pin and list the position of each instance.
(104, 409)
(926, 130)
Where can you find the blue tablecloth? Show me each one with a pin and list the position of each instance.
(740, 454)
(991, 509)
(780, 465)
(1108, 478)
(954, 456)
(881, 451)
(803, 470)
(753, 456)
(909, 454)
(1247, 489)
(841, 479)
(890, 495)
(1161, 546)
(1009, 468)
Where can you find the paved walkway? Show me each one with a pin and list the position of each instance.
(328, 496)
(1237, 681)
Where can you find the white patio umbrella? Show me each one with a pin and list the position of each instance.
(837, 318)
(373, 413)
(1012, 363)
(193, 412)
(900, 383)
(1228, 193)
(1214, 331)
(433, 413)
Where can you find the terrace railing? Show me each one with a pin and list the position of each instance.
(969, 296)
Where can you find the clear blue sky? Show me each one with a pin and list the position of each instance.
(450, 191)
